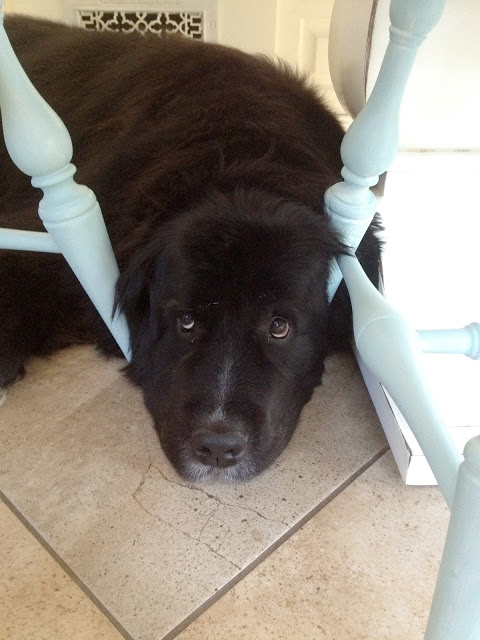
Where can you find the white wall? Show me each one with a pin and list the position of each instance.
(431, 263)
(442, 99)
(51, 9)
(248, 24)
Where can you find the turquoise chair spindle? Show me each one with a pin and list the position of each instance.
(39, 144)
(392, 349)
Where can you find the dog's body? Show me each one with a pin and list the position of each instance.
(210, 166)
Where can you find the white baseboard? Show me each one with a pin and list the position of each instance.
(411, 462)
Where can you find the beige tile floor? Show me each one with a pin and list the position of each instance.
(328, 543)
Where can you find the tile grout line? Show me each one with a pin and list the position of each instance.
(273, 547)
(222, 590)
(68, 570)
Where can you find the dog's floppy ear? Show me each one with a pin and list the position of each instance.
(136, 289)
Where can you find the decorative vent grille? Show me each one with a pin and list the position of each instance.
(190, 24)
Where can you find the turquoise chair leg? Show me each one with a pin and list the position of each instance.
(40, 145)
(455, 612)
(390, 348)
(72, 216)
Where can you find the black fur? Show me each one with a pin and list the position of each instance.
(210, 166)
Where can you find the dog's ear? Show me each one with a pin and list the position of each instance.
(137, 287)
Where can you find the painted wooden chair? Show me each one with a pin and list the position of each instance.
(40, 146)
(389, 346)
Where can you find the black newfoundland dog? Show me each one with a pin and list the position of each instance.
(210, 166)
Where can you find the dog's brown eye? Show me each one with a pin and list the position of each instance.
(186, 321)
(279, 328)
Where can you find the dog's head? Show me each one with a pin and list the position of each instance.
(227, 311)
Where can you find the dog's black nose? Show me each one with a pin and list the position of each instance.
(218, 449)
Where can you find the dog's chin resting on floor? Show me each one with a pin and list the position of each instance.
(210, 166)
